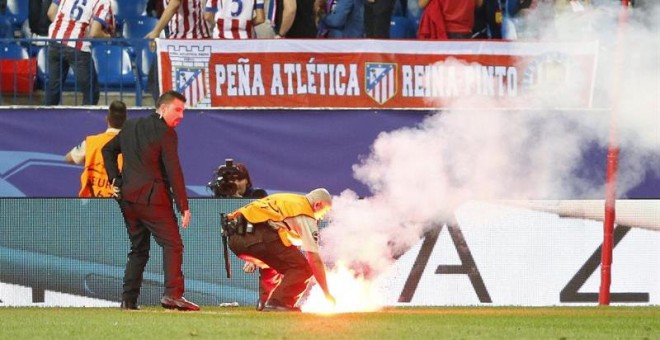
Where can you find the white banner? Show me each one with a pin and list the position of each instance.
(500, 255)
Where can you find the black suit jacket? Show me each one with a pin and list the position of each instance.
(151, 171)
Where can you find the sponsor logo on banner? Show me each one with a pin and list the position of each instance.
(191, 82)
(380, 81)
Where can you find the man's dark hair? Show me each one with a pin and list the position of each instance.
(169, 97)
(117, 114)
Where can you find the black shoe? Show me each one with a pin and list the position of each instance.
(260, 305)
(181, 303)
(276, 306)
(129, 305)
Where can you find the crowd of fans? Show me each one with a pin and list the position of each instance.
(407, 19)
(285, 19)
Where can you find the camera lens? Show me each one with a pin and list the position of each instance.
(226, 188)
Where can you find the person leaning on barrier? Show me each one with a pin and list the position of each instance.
(184, 19)
(266, 232)
(94, 179)
(229, 23)
(150, 179)
(71, 21)
(38, 20)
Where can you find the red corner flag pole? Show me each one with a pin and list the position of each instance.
(612, 163)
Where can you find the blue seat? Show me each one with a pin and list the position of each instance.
(12, 52)
(399, 8)
(134, 32)
(137, 28)
(124, 9)
(6, 27)
(114, 68)
(402, 28)
(143, 60)
(414, 13)
(18, 12)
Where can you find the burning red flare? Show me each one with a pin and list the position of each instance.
(352, 292)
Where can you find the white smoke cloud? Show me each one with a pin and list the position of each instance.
(419, 175)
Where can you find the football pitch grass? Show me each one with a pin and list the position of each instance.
(608, 322)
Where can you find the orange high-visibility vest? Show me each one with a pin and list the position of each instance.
(94, 179)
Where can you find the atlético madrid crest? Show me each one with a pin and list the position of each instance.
(380, 81)
(191, 82)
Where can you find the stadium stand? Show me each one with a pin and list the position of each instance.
(413, 13)
(134, 32)
(17, 11)
(144, 58)
(12, 51)
(137, 28)
(6, 27)
(402, 28)
(128, 10)
(114, 67)
(17, 70)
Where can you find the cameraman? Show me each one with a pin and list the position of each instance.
(233, 181)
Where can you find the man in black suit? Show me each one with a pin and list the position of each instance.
(151, 174)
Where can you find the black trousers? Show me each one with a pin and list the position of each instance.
(142, 221)
(377, 18)
(289, 272)
(60, 59)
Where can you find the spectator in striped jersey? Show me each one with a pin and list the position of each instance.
(184, 20)
(73, 20)
(233, 19)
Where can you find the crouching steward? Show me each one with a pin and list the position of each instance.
(280, 234)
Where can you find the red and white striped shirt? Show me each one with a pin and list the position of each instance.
(188, 22)
(74, 17)
(233, 18)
